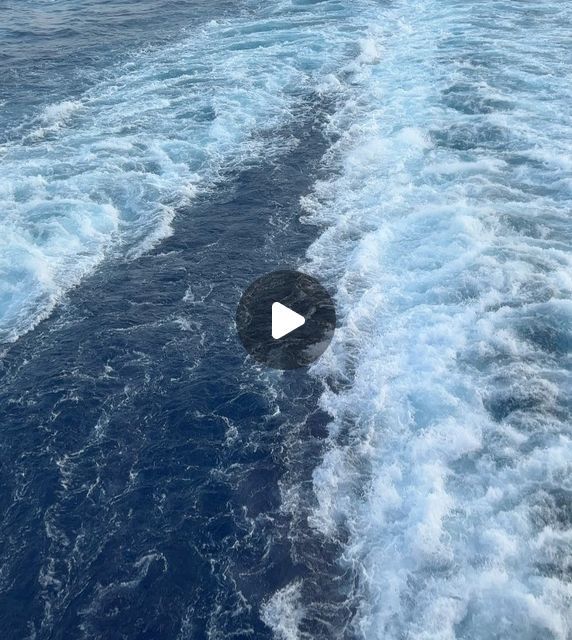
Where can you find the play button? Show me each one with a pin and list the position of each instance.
(286, 319)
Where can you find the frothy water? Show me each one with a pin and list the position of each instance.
(103, 174)
(447, 236)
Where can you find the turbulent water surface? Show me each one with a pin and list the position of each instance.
(155, 158)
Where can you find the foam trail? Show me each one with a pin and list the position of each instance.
(103, 174)
(447, 236)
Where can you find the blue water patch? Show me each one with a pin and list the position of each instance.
(142, 450)
(52, 51)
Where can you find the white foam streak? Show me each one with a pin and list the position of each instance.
(446, 234)
(283, 612)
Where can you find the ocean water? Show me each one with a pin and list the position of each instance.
(155, 158)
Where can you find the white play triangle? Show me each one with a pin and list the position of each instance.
(284, 320)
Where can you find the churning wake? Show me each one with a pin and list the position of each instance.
(447, 236)
(103, 175)
(445, 233)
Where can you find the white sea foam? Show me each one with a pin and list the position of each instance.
(284, 611)
(447, 236)
(57, 115)
(106, 172)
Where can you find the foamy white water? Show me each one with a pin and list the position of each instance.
(447, 235)
(104, 173)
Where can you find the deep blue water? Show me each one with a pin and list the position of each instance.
(156, 158)
(151, 451)
(141, 453)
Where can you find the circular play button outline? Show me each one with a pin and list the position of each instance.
(286, 319)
